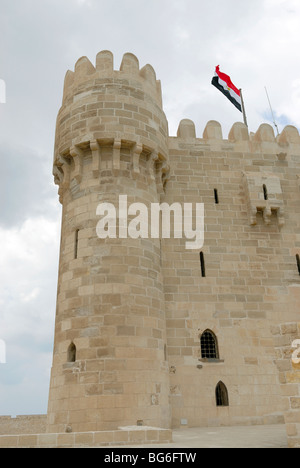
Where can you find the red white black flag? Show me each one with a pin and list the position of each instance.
(225, 85)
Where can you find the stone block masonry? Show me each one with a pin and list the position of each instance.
(147, 331)
(122, 437)
(136, 309)
(111, 139)
(31, 424)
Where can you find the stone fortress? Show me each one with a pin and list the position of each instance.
(148, 333)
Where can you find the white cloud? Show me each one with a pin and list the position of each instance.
(28, 271)
(31, 296)
(85, 3)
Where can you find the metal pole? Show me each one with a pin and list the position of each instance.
(272, 111)
(243, 109)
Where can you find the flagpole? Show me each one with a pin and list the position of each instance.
(243, 109)
(272, 111)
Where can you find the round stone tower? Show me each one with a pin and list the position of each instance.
(109, 362)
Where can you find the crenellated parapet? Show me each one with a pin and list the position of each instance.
(240, 139)
(82, 79)
(113, 118)
(261, 160)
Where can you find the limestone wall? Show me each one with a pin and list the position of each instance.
(131, 312)
(135, 309)
(31, 424)
(122, 437)
(251, 275)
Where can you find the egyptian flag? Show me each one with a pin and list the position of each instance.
(225, 85)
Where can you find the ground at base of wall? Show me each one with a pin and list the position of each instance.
(268, 436)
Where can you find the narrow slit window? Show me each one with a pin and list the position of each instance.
(165, 352)
(216, 196)
(222, 395)
(298, 262)
(202, 264)
(266, 196)
(76, 244)
(72, 353)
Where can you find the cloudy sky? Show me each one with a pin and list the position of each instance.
(256, 42)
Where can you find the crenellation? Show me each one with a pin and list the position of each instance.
(186, 130)
(213, 131)
(105, 63)
(239, 133)
(83, 68)
(130, 64)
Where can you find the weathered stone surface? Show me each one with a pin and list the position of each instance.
(136, 309)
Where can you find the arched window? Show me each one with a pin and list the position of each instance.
(209, 345)
(222, 395)
(72, 353)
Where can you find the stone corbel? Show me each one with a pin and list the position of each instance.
(162, 176)
(165, 173)
(61, 172)
(137, 151)
(116, 155)
(151, 165)
(267, 213)
(95, 148)
(77, 156)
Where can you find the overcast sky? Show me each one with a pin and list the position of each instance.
(256, 42)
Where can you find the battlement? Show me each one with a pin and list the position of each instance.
(114, 117)
(85, 72)
(239, 138)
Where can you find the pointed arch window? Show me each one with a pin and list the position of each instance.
(72, 353)
(222, 395)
